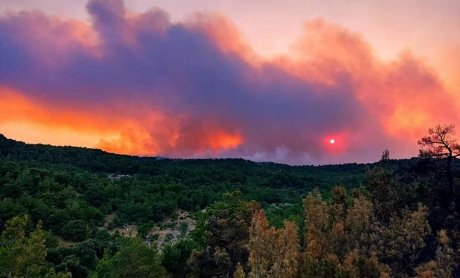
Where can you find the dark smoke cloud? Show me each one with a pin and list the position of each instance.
(190, 93)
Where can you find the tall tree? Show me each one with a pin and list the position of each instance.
(381, 185)
(440, 143)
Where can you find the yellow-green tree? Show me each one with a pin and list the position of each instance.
(336, 237)
(23, 253)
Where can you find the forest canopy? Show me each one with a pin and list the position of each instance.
(76, 212)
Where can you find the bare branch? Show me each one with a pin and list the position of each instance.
(439, 143)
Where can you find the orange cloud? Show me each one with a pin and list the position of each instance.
(223, 141)
(112, 133)
(16, 107)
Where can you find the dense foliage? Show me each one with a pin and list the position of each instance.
(69, 206)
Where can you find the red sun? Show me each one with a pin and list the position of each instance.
(334, 143)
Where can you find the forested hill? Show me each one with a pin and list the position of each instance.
(230, 173)
(263, 182)
(145, 190)
(85, 212)
(96, 160)
(91, 159)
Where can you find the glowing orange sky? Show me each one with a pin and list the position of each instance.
(388, 59)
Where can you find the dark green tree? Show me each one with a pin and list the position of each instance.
(134, 259)
(383, 188)
(226, 237)
(175, 257)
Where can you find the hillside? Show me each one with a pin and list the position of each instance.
(109, 182)
(92, 203)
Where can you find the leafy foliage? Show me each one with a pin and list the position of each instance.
(62, 210)
(225, 236)
(133, 259)
(23, 253)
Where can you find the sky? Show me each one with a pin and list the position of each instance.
(296, 81)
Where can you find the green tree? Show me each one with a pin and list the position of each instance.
(175, 257)
(225, 233)
(23, 253)
(134, 259)
(75, 230)
(383, 189)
